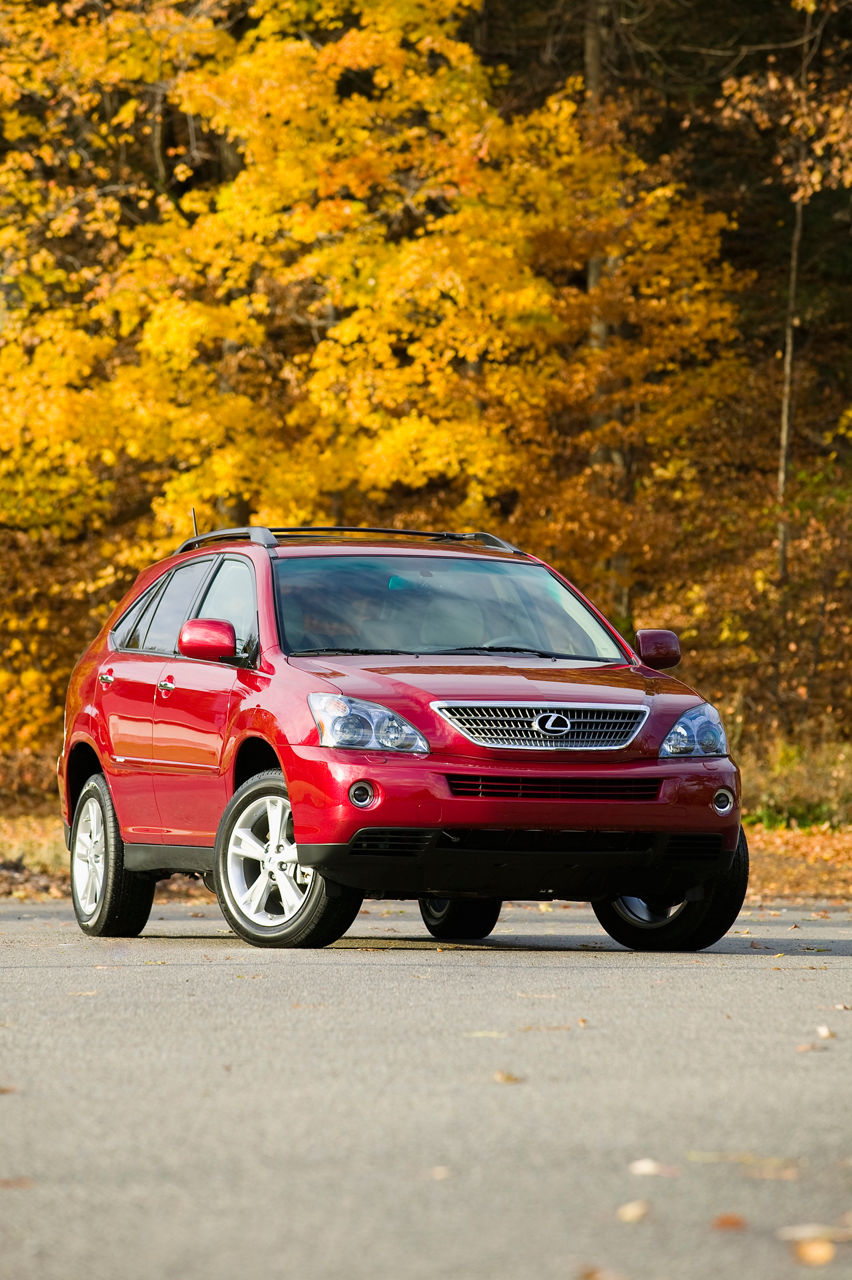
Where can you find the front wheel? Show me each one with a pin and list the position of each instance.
(109, 902)
(647, 925)
(266, 895)
(460, 920)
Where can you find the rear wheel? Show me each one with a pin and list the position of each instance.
(108, 900)
(266, 895)
(461, 919)
(648, 925)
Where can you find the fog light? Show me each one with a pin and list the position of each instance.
(361, 794)
(723, 801)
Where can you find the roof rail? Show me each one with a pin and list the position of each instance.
(269, 537)
(488, 539)
(252, 533)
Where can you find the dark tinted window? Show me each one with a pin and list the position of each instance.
(231, 598)
(172, 607)
(130, 630)
(433, 604)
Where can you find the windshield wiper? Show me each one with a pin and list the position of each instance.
(301, 653)
(502, 648)
(518, 648)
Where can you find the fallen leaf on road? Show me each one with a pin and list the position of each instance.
(814, 1231)
(506, 1077)
(15, 1184)
(729, 1222)
(478, 1035)
(825, 1033)
(647, 1168)
(793, 926)
(814, 1253)
(810, 1048)
(632, 1211)
(581, 1022)
(599, 1273)
(441, 1172)
(843, 1006)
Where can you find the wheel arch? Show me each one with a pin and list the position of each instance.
(254, 755)
(83, 762)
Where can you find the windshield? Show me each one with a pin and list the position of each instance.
(434, 605)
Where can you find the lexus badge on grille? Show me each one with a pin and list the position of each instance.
(553, 723)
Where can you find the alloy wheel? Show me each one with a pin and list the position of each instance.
(89, 857)
(266, 882)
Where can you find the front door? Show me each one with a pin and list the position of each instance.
(192, 711)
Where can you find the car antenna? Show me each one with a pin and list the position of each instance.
(194, 522)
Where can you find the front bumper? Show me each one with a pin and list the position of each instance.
(454, 825)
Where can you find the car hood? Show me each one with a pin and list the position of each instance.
(401, 681)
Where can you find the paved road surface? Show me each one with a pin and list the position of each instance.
(183, 1105)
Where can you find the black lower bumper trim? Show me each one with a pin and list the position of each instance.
(511, 863)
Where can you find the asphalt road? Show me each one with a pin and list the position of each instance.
(183, 1105)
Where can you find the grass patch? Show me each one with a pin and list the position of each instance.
(801, 784)
(37, 842)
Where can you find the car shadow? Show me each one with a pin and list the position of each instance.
(775, 948)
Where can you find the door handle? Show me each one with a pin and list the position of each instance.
(106, 678)
(166, 685)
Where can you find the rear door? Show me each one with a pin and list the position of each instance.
(191, 713)
(124, 694)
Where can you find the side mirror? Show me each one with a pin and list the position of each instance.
(209, 639)
(658, 649)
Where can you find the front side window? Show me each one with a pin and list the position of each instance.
(172, 607)
(434, 604)
(231, 598)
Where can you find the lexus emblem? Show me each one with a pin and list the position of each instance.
(553, 723)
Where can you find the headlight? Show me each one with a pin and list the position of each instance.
(366, 726)
(699, 732)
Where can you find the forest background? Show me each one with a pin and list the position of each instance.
(578, 272)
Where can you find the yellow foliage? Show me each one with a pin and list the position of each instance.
(311, 270)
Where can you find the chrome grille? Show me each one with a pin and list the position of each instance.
(518, 725)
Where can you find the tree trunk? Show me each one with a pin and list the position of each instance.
(618, 565)
(790, 327)
(787, 392)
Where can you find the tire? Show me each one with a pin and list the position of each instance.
(460, 920)
(687, 926)
(109, 902)
(269, 899)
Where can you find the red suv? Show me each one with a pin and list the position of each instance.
(306, 717)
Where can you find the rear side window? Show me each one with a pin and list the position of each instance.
(173, 605)
(231, 598)
(129, 630)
